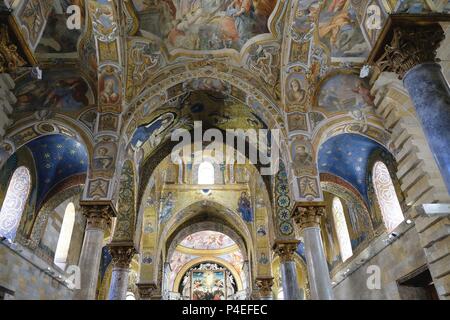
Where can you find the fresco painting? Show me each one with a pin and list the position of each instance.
(57, 39)
(208, 285)
(339, 30)
(345, 92)
(207, 240)
(204, 24)
(152, 132)
(57, 91)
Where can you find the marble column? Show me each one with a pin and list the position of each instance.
(412, 55)
(307, 216)
(122, 254)
(285, 249)
(148, 291)
(264, 285)
(98, 221)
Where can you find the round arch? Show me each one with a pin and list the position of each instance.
(25, 132)
(198, 212)
(206, 226)
(261, 102)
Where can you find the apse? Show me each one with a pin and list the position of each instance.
(205, 252)
(347, 156)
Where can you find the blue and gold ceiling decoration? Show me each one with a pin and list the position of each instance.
(347, 156)
(57, 158)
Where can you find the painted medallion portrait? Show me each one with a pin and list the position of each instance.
(296, 95)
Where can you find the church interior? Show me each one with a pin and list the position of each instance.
(355, 96)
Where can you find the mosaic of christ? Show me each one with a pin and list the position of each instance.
(204, 24)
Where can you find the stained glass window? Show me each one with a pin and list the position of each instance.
(341, 229)
(206, 173)
(14, 203)
(65, 235)
(387, 197)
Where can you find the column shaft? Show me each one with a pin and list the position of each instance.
(122, 254)
(290, 282)
(98, 220)
(319, 276)
(89, 263)
(430, 95)
(288, 269)
(411, 54)
(119, 284)
(308, 216)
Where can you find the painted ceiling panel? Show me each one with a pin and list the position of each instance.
(57, 158)
(347, 156)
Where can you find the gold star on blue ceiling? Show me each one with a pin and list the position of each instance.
(57, 158)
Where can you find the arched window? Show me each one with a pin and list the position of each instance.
(387, 197)
(65, 235)
(280, 295)
(14, 203)
(206, 173)
(341, 229)
(130, 296)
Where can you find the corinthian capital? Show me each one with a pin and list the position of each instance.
(98, 214)
(308, 215)
(148, 291)
(264, 285)
(122, 254)
(285, 249)
(411, 46)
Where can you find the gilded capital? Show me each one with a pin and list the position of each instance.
(148, 290)
(10, 58)
(285, 249)
(411, 46)
(98, 215)
(121, 254)
(308, 215)
(264, 285)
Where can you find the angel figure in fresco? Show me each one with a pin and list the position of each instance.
(243, 13)
(157, 136)
(336, 5)
(262, 63)
(215, 240)
(68, 95)
(333, 27)
(245, 207)
(109, 94)
(364, 93)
